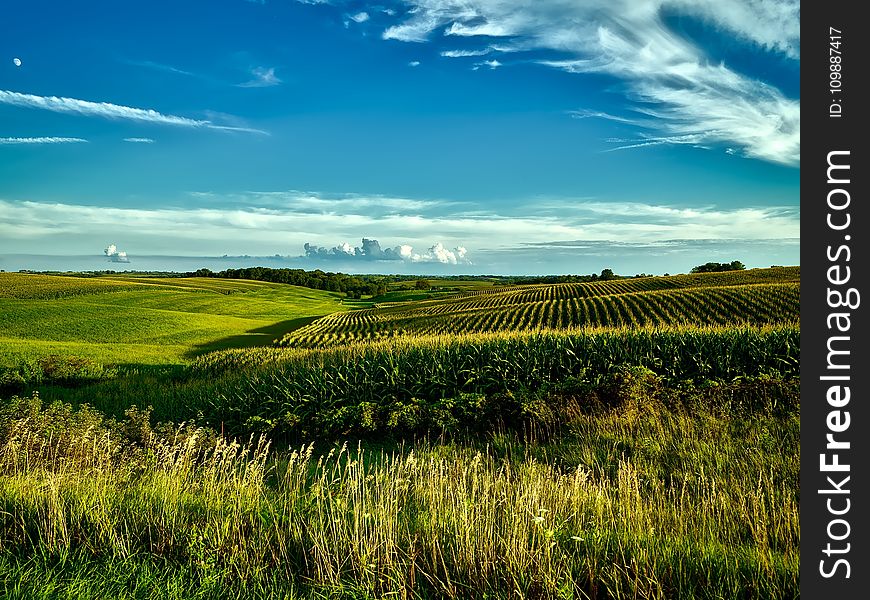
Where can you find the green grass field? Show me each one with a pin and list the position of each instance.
(129, 320)
(615, 440)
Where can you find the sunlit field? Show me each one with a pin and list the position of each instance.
(139, 320)
(635, 438)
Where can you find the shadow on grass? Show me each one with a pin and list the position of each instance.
(357, 304)
(262, 336)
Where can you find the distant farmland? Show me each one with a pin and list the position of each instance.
(756, 297)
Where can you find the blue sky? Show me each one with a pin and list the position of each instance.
(466, 136)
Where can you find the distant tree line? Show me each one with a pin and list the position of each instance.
(715, 267)
(605, 275)
(355, 286)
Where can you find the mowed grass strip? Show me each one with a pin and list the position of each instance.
(147, 320)
(15, 351)
(27, 285)
(227, 286)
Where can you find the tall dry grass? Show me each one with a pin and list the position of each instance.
(649, 504)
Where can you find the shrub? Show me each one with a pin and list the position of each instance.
(53, 369)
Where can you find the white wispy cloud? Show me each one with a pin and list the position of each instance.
(284, 221)
(139, 140)
(40, 140)
(492, 64)
(156, 66)
(263, 77)
(238, 129)
(667, 76)
(95, 109)
(360, 17)
(771, 24)
(414, 63)
(486, 28)
(691, 139)
(464, 53)
(108, 110)
(551, 235)
(597, 114)
(296, 201)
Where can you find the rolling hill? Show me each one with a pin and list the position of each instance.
(755, 297)
(147, 320)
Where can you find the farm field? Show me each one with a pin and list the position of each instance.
(633, 438)
(422, 300)
(130, 320)
(757, 297)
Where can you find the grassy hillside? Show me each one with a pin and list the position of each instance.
(617, 440)
(759, 296)
(653, 464)
(630, 504)
(124, 320)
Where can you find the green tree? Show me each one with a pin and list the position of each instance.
(715, 267)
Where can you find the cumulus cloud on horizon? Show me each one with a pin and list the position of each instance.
(264, 222)
(550, 233)
(371, 250)
(115, 255)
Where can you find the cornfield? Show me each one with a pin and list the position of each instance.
(412, 379)
(618, 304)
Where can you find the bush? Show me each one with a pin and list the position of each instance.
(57, 435)
(53, 369)
(715, 267)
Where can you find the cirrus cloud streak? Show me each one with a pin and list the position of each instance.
(282, 222)
(40, 140)
(667, 77)
(107, 110)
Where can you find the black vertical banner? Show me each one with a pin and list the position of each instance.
(835, 299)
